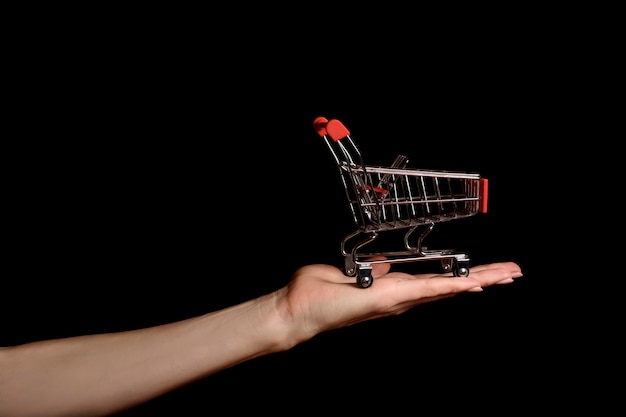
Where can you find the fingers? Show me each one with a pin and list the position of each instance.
(512, 267)
(507, 268)
(481, 276)
(496, 273)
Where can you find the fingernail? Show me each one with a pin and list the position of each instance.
(505, 281)
(517, 274)
(475, 289)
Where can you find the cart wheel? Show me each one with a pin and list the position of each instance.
(446, 264)
(461, 272)
(364, 278)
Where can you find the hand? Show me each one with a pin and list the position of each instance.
(321, 297)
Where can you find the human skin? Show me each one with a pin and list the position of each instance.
(102, 374)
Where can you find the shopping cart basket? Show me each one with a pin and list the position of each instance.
(398, 198)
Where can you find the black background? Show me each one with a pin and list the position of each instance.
(146, 192)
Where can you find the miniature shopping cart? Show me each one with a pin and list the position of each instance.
(398, 198)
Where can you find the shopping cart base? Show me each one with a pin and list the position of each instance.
(451, 261)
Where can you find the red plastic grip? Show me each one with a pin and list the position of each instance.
(336, 130)
(484, 194)
(319, 124)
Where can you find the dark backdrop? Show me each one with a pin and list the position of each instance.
(150, 196)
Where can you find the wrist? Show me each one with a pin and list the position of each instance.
(286, 324)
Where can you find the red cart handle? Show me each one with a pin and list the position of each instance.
(484, 195)
(319, 124)
(333, 128)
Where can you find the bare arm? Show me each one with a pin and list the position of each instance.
(102, 374)
(98, 375)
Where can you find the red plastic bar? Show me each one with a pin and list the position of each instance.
(336, 130)
(319, 124)
(484, 194)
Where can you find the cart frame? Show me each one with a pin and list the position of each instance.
(390, 198)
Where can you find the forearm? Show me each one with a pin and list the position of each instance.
(101, 374)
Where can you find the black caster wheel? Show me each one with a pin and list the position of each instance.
(461, 272)
(364, 278)
(461, 268)
(446, 265)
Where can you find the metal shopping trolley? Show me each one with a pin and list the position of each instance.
(398, 198)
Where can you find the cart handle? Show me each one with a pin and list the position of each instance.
(484, 195)
(319, 124)
(333, 128)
